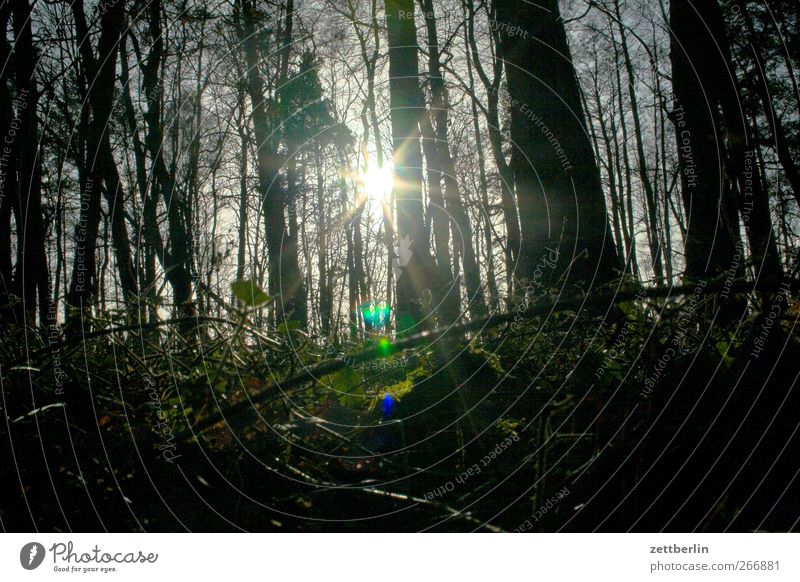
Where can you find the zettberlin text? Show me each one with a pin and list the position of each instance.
(676, 549)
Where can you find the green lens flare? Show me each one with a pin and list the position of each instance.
(376, 316)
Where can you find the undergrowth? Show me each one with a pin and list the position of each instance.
(577, 420)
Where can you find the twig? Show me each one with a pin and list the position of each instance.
(112, 330)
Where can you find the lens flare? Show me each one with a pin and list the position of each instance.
(377, 182)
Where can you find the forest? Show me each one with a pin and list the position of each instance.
(399, 265)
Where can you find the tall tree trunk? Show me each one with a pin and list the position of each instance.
(285, 280)
(147, 270)
(560, 196)
(97, 82)
(616, 212)
(325, 295)
(354, 275)
(296, 301)
(7, 189)
(492, 113)
(102, 106)
(176, 257)
(779, 138)
(743, 169)
(651, 205)
(660, 105)
(491, 281)
(372, 125)
(712, 236)
(416, 268)
(623, 163)
(243, 169)
(448, 294)
(31, 277)
(462, 227)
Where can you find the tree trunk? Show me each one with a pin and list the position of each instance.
(617, 212)
(7, 189)
(712, 236)
(623, 163)
(416, 267)
(176, 259)
(102, 166)
(448, 294)
(743, 169)
(651, 206)
(372, 125)
(285, 280)
(147, 272)
(243, 169)
(95, 82)
(492, 86)
(779, 137)
(454, 204)
(325, 294)
(560, 196)
(31, 277)
(491, 281)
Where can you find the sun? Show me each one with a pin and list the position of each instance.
(377, 182)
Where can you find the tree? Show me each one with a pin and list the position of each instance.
(406, 108)
(97, 167)
(483, 183)
(176, 256)
(742, 168)
(712, 237)
(492, 113)
(369, 116)
(308, 126)
(776, 127)
(27, 287)
(7, 200)
(445, 168)
(557, 182)
(285, 280)
(651, 205)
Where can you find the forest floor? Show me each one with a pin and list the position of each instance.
(656, 417)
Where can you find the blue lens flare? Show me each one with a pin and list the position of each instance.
(388, 404)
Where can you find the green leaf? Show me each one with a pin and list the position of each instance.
(725, 348)
(287, 326)
(401, 388)
(344, 380)
(348, 385)
(249, 293)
